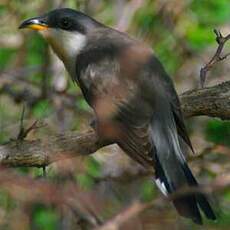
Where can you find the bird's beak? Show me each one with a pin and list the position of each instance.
(38, 23)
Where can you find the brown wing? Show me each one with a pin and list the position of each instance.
(115, 97)
(135, 135)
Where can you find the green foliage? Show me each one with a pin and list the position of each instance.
(145, 17)
(93, 171)
(23, 170)
(6, 202)
(171, 59)
(207, 14)
(45, 218)
(227, 195)
(199, 36)
(93, 167)
(82, 104)
(2, 9)
(42, 109)
(218, 132)
(85, 181)
(148, 191)
(223, 220)
(6, 54)
(36, 48)
(211, 12)
(3, 137)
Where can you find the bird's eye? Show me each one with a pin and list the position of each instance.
(65, 23)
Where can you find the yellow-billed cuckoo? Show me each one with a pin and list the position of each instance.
(133, 97)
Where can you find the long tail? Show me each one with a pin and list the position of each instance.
(172, 171)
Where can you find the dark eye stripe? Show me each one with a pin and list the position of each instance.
(65, 23)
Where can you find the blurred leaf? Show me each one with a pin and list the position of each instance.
(93, 167)
(82, 104)
(45, 219)
(6, 201)
(2, 9)
(171, 60)
(145, 17)
(36, 47)
(4, 136)
(211, 12)
(218, 132)
(6, 54)
(42, 109)
(227, 195)
(148, 191)
(23, 170)
(199, 37)
(85, 181)
(223, 220)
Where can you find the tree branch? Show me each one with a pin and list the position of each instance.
(40, 153)
(212, 101)
(221, 40)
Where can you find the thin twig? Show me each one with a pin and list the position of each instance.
(138, 207)
(221, 40)
(23, 133)
(21, 127)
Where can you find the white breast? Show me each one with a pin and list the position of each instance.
(66, 44)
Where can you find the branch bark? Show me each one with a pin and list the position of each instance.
(40, 153)
(213, 101)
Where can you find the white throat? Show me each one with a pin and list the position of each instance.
(67, 45)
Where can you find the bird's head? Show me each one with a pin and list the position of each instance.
(65, 30)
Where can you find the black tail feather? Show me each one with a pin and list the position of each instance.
(172, 172)
(201, 199)
(186, 206)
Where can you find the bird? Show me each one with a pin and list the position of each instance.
(133, 98)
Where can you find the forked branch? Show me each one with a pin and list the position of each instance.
(217, 57)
